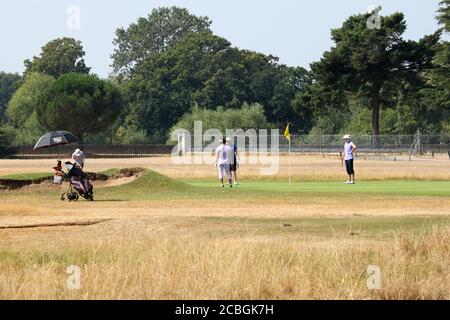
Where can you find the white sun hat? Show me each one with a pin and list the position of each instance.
(347, 136)
(228, 139)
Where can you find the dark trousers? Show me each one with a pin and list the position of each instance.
(349, 166)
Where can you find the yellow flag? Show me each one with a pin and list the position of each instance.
(287, 134)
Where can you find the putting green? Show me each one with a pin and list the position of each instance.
(401, 188)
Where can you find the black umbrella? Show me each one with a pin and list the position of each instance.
(55, 138)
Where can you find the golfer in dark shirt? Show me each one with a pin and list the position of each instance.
(234, 165)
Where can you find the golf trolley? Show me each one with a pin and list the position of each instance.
(79, 185)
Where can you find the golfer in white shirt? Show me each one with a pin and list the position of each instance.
(78, 158)
(349, 148)
(223, 153)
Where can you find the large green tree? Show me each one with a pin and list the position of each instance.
(206, 70)
(163, 89)
(318, 104)
(58, 57)
(366, 61)
(280, 108)
(246, 117)
(80, 104)
(7, 90)
(436, 91)
(153, 35)
(22, 108)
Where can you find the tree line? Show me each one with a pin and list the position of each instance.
(170, 69)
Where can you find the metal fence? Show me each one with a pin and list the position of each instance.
(414, 144)
(366, 143)
(91, 151)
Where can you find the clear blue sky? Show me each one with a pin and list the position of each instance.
(297, 31)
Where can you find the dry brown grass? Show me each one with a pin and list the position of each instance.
(167, 250)
(304, 167)
(177, 266)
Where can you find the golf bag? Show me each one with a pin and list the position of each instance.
(79, 185)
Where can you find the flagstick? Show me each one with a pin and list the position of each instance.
(289, 156)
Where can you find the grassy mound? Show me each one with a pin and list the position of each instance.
(126, 172)
(149, 185)
(148, 181)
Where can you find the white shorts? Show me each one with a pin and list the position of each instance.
(220, 169)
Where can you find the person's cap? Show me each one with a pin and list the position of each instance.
(347, 136)
(77, 151)
(228, 139)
